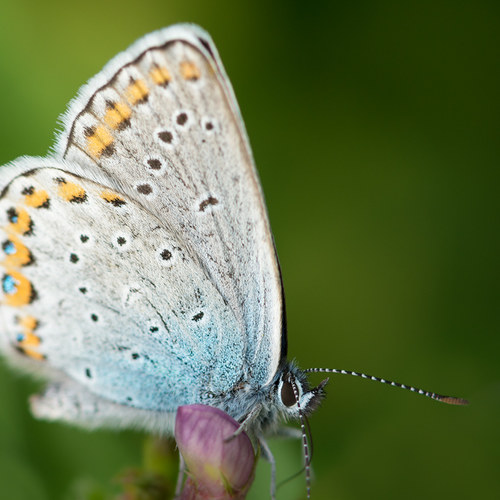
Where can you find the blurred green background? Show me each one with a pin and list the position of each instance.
(375, 130)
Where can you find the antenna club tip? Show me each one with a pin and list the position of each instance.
(454, 401)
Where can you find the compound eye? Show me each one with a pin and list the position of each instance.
(287, 394)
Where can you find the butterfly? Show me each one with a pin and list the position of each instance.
(138, 267)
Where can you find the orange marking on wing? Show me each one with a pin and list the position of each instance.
(28, 323)
(189, 70)
(117, 115)
(23, 294)
(160, 75)
(137, 92)
(29, 340)
(23, 224)
(69, 191)
(100, 141)
(112, 197)
(20, 257)
(32, 353)
(37, 199)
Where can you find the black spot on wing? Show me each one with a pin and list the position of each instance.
(144, 189)
(197, 317)
(206, 203)
(181, 119)
(166, 136)
(166, 254)
(154, 164)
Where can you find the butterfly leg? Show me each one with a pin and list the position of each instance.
(246, 424)
(180, 476)
(288, 433)
(268, 455)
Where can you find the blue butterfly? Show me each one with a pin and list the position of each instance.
(139, 271)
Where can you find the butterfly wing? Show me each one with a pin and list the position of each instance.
(97, 288)
(139, 261)
(162, 121)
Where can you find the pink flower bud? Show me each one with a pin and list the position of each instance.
(218, 467)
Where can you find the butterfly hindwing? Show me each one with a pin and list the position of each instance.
(97, 288)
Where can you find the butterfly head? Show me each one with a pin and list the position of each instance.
(294, 394)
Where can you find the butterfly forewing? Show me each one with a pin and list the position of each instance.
(162, 120)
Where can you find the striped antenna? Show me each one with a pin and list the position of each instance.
(438, 397)
(307, 456)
